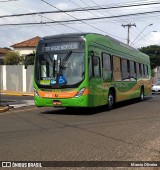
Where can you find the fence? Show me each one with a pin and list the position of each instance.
(156, 74)
(16, 78)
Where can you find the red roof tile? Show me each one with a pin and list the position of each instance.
(28, 43)
(3, 51)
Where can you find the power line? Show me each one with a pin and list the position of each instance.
(75, 17)
(107, 11)
(9, 0)
(77, 10)
(140, 33)
(83, 8)
(85, 19)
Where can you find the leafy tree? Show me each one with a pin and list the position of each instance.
(30, 58)
(12, 58)
(154, 52)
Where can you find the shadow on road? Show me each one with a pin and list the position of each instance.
(75, 111)
(92, 111)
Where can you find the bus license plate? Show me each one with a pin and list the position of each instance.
(56, 102)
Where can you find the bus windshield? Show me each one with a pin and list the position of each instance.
(60, 68)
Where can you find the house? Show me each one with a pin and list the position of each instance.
(156, 77)
(26, 47)
(3, 52)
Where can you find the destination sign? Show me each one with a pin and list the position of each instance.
(62, 46)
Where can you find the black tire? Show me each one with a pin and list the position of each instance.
(111, 100)
(141, 97)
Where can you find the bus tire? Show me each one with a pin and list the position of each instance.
(141, 97)
(111, 100)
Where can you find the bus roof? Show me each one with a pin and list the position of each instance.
(71, 35)
(107, 41)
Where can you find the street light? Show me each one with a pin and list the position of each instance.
(141, 32)
(143, 37)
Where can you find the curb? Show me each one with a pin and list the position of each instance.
(4, 109)
(17, 94)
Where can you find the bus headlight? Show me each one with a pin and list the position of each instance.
(36, 93)
(80, 93)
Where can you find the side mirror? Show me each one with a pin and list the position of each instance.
(91, 53)
(94, 58)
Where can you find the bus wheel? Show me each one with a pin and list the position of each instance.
(111, 100)
(141, 98)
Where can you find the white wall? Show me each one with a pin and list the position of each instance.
(25, 50)
(16, 78)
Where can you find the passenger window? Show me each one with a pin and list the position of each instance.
(106, 61)
(117, 74)
(90, 67)
(140, 69)
(106, 67)
(125, 70)
(96, 66)
(133, 75)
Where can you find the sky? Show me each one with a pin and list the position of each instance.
(146, 32)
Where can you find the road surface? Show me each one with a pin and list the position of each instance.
(130, 132)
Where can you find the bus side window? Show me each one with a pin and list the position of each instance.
(125, 70)
(96, 66)
(133, 75)
(117, 74)
(138, 71)
(142, 68)
(106, 67)
(146, 71)
(146, 68)
(90, 67)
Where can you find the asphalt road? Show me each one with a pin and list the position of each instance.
(16, 101)
(129, 132)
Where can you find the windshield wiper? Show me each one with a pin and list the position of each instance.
(48, 59)
(65, 59)
(60, 78)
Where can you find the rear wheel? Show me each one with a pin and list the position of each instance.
(141, 98)
(111, 100)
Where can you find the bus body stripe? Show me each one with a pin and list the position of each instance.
(58, 95)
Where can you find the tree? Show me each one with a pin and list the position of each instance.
(12, 58)
(30, 58)
(154, 52)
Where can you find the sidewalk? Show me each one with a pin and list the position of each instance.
(16, 93)
(3, 107)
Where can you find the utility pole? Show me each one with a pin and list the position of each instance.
(129, 26)
(0, 82)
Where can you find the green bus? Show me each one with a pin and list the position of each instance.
(88, 70)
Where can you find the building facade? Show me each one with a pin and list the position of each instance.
(3, 52)
(26, 47)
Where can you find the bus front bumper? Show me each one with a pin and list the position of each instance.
(65, 102)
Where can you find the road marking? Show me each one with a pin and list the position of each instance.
(25, 110)
(26, 103)
(15, 111)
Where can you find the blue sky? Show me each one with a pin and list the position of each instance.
(148, 35)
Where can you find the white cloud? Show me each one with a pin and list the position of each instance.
(11, 35)
(62, 6)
